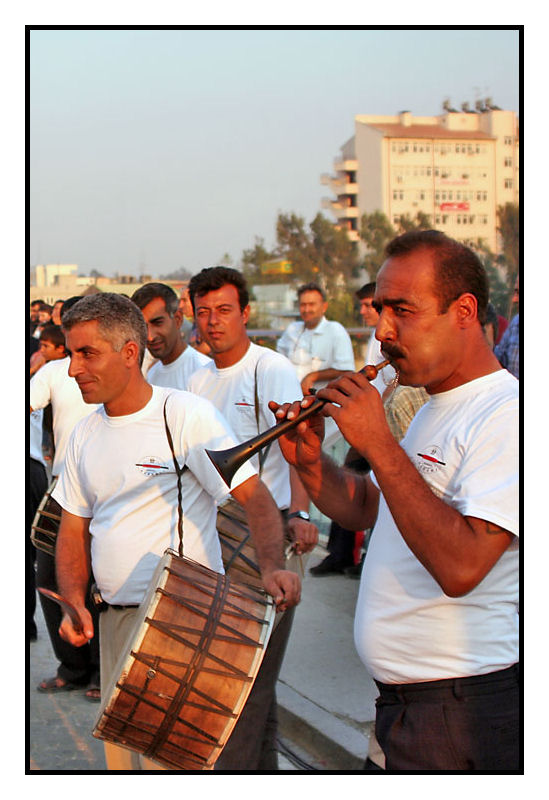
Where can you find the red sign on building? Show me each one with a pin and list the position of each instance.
(454, 206)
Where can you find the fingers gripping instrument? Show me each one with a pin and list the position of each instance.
(227, 462)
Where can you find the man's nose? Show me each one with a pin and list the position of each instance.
(74, 367)
(384, 329)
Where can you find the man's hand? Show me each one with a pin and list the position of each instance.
(302, 445)
(284, 586)
(308, 382)
(75, 636)
(358, 411)
(304, 534)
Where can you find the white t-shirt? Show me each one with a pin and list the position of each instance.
(232, 391)
(35, 436)
(119, 473)
(176, 375)
(52, 384)
(465, 444)
(374, 356)
(328, 346)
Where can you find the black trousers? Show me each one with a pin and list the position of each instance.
(341, 542)
(252, 745)
(457, 725)
(79, 665)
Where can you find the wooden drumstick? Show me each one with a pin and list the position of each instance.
(67, 607)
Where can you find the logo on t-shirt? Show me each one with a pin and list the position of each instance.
(152, 466)
(430, 460)
(243, 404)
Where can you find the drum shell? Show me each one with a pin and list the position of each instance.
(45, 525)
(181, 683)
(238, 551)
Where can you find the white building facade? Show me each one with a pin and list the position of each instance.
(457, 168)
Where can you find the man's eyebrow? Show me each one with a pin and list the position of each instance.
(393, 301)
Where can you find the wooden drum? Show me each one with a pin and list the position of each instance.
(45, 526)
(190, 664)
(238, 551)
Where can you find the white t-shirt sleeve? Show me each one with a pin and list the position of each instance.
(207, 429)
(40, 388)
(70, 491)
(343, 357)
(489, 476)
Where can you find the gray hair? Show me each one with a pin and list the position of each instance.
(120, 320)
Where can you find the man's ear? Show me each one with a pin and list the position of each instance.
(246, 314)
(131, 353)
(466, 308)
(178, 316)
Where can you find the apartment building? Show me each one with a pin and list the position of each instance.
(457, 168)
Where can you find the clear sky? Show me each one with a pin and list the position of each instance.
(152, 150)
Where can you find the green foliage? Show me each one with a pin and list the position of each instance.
(376, 232)
(318, 252)
(342, 308)
(509, 229)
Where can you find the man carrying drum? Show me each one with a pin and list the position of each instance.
(118, 488)
(240, 379)
(437, 621)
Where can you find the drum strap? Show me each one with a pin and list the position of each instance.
(179, 473)
(262, 455)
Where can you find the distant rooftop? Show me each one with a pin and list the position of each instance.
(398, 131)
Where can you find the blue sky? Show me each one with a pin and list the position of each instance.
(156, 149)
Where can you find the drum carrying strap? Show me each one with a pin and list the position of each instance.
(262, 455)
(179, 473)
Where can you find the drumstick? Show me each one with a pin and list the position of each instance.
(67, 607)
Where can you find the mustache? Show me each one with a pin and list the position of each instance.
(392, 352)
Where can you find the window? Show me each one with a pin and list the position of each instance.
(508, 183)
(507, 140)
(508, 162)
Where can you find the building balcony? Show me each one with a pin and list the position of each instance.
(346, 165)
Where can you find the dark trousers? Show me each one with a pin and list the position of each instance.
(341, 542)
(462, 724)
(79, 665)
(37, 487)
(252, 744)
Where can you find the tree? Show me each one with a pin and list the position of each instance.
(317, 252)
(252, 260)
(509, 229)
(376, 232)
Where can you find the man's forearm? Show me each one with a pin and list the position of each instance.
(340, 494)
(265, 524)
(72, 563)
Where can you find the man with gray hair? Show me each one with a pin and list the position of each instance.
(118, 489)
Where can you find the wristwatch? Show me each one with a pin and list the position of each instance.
(299, 515)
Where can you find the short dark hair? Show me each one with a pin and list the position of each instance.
(150, 291)
(311, 287)
(458, 268)
(212, 278)
(368, 290)
(53, 334)
(68, 304)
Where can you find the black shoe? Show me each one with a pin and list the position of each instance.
(327, 567)
(355, 570)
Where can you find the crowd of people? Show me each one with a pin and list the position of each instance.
(424, 509)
